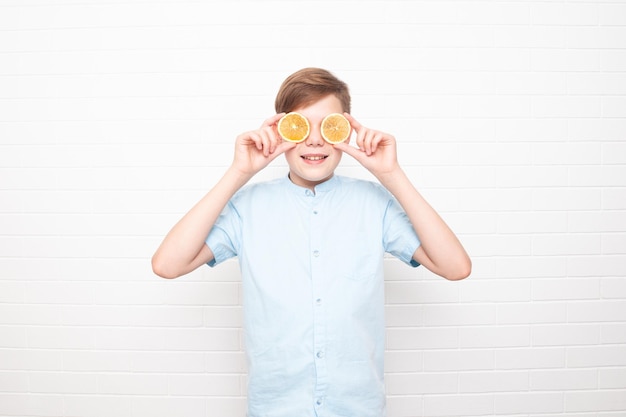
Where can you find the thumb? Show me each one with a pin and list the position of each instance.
(350, 150)
(283, 147)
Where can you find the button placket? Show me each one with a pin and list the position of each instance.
(319, 319)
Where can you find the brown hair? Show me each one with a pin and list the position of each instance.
(309, 85)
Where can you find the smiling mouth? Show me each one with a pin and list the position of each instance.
(314, 157)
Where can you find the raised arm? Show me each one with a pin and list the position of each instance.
(440, 250)
(184, 248)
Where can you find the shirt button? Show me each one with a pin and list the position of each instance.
(318, 302)
(320, 354)
(314, 211)
(319, 401)
(316, 253)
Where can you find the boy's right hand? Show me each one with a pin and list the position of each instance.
(254, 150)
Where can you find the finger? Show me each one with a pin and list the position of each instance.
(360, 138)
(271, 143)
(254, 138)
(281, 148)
(367, 141)
(272, 120)
(267, 143)
(378, 138)
(273, 137)
(353, 122)
(361, 131)
(350, 150)
(284, 146)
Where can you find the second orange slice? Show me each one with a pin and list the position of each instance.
(335, 128)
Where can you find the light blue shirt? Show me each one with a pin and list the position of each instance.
(313, 292)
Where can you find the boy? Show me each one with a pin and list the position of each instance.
(310, 247)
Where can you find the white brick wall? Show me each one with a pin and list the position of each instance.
(117, 115)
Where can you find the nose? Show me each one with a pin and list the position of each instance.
(315, 137)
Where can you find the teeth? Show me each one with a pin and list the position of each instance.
(314, 158)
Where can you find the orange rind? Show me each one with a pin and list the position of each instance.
(335, 128)
(293, 127)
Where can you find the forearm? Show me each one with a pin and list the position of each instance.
(444, 254)
(180, 251)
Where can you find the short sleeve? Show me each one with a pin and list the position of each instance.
(225, 236)
(399, 237)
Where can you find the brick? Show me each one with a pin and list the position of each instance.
(563, 379)
(612, 378)
(532, 313)
(612, 60)
(163, 406)
(553, 198)
(194, 293)
(567, 244)
(533, 222)
(420, 292)
(596, 356)
(132, 384)
(459, 315)
(166, 362)
(526, 36)
(576, 289)
(404, 406)
(493, 381)
(492, 245)
(404, 315)
(613, 288)
(31, 359)
(497, 290)
(404, 361)
(459, 360)
(494, 336)
(565, 60)
(57, 337)
(96, 361)
(11, 291)
(613, 106)
(97, 406)
(204, 385)
(524, 267)
(528, 402)
(565, 335)
(14, 381)
(459, 405)
(556, 14)
(536, 176)
(531, 83)
(63, 382)
(421, 383)
(595, 401)
(613, 333)
(226, 362)
(21, 404)
(597, 311)
(421, 338)
(496, 153)
(531, 358)
(531, 129)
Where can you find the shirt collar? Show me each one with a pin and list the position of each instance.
(328, 185)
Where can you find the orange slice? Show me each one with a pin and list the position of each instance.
(335, 128)
(293, 127)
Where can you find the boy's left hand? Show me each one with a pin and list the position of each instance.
(375, 150)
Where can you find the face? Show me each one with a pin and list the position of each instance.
(314, 161)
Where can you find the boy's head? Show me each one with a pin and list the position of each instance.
(315, 93)
(309, 85)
